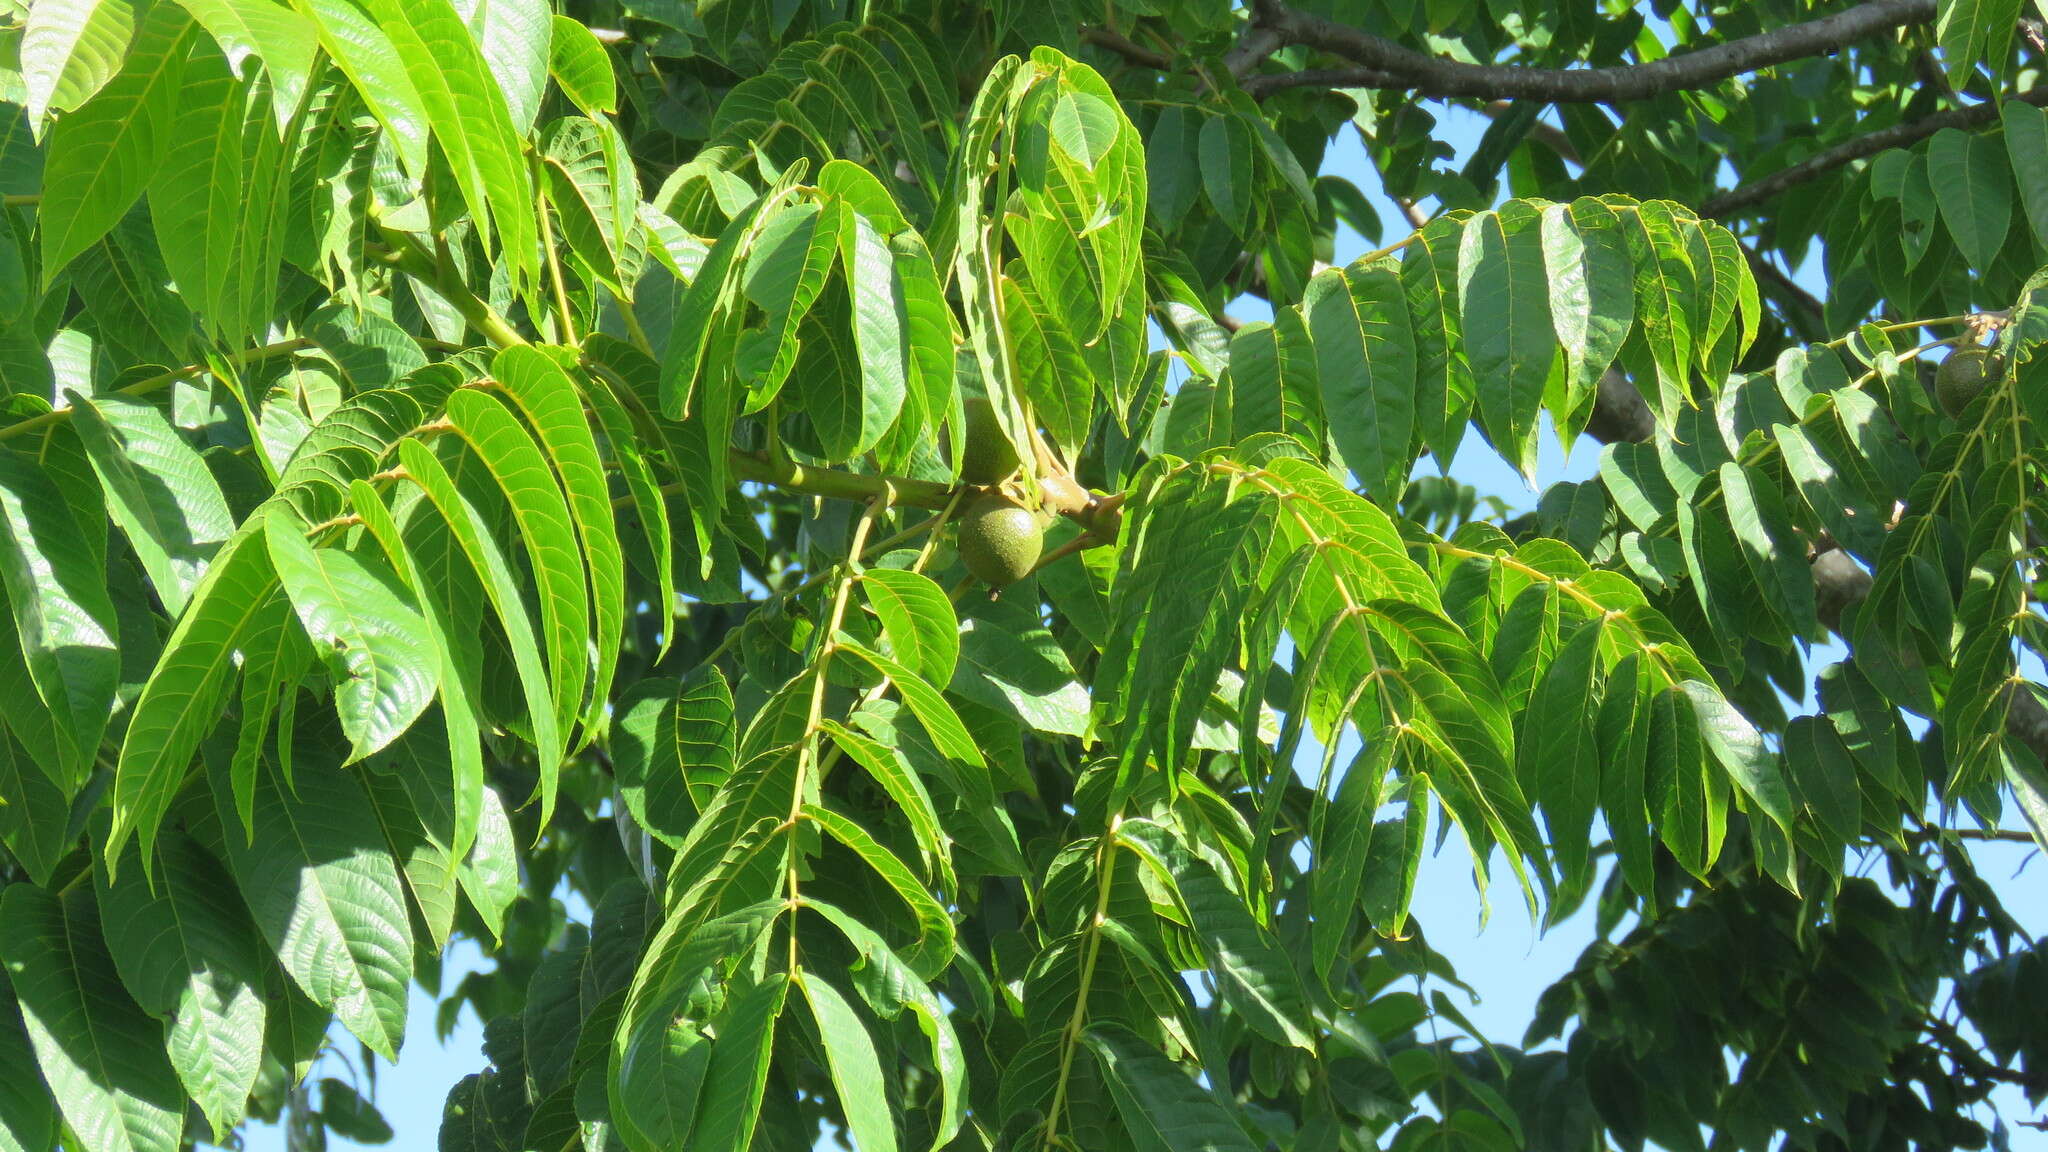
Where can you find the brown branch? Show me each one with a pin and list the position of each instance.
(1426, 75)
(1789, 291)
(1258, 41)
(1972, 1063)
(1870, 144)
(1127, 48)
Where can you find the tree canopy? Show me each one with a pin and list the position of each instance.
(787, 478)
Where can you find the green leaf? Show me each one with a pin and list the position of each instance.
(474, 534)
(859, 190)
(35, 819)
(104, 154)
(458, 662)
(542, 513)
(667, 732)
(1172, 165)
(1973, 31)
(69, 49)
(182, 700)
(1342, 831)
(127, 291)
(1365, 354)
(189, 953)
(659, 1090)
(350, 1116)
(2026, 148)
(1054, 377)
(730, 1101)
(856, 1070)
(490, 873)
(366, 55)
(323, 888)
(56, 586)
(1665, 284)
(1774, 551)
(879, 334)
(418, 834)
(1739, 748)
(582, 67)
(218, 200)
(158, 491)
(1623, 731)
(515, 36)
(1974, 190)
(282, 39)
(1592, 291)
(934, 947)
(665, 988)
(917, 621)
(937, 717)
(470, 119)
(28, 1121)
(1504, 301)
(553, 407)
(100, 1055)
(1559, 757)
(892, 772)
(1445, 388)
(1225, 149)
(1254, 974)
(372, 640)
(889, 986)
(592, 184)
(1159, 1103)
(1823, 777)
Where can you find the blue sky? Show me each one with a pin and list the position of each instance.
(1508, 963)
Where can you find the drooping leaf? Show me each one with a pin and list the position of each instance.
(100, 1055)
(1504, 303)
(1159, 1101)
(188, 953)
(856, 1071)
(322, 886)
(56, 587)
(106, 152)
(158, 490)
(1365, 353)
(358, 617)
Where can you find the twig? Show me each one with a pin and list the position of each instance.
(1127, 48)
(150, 384)
(1379, 59)
(1869, 144)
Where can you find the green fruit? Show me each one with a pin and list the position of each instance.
(1964, 376)
(987, 457)
(999, 541)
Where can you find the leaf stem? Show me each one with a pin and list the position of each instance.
(405, 254)
(1070, 1033)
(635, 334)
(807, 752)
(547, 245)
(150, 384)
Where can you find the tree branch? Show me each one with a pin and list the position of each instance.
(150, 384)
(1379, 58)
(1869, 144)
(1127, 48)
(1972, 1063)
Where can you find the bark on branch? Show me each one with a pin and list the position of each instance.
(1380, 60)
(1869, 144)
